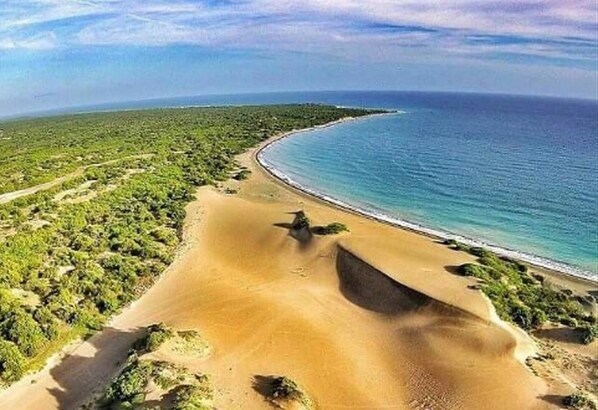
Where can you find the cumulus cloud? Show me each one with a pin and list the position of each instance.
(382, 30)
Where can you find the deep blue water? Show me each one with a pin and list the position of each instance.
(519, 173)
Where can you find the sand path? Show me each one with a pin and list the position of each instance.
(11, 196)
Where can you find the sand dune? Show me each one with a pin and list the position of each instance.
(372, 319)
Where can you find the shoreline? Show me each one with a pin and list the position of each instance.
(545, 265)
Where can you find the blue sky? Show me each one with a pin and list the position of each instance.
(56, 53)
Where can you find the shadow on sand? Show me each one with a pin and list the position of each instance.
(79, 377)
(371, 289)
(554, 399)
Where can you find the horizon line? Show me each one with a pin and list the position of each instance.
(97, 107)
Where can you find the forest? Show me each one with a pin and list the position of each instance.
(76, 252)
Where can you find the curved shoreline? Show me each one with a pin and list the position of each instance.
(557, 267)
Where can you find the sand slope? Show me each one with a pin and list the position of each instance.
(368, 320)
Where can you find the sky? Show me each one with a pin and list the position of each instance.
(59, 53)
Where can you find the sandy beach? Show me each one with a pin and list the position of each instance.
(370, 319)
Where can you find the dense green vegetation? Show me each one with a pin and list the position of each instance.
(73, 255)
(523, 298)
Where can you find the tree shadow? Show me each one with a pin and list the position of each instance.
(554, 399)
(263, 385)
(80, 377)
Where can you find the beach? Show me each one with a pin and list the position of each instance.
(560, 274)
(374, 318)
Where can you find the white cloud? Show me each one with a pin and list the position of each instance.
(342, 28)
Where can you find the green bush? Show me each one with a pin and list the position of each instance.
(472, 269)
(156, 335)
(24, 331)
(284, 388)
(333, 228)
(242, 175)
(12, 362)
(587, 333)
(130, 386)
(578, 401)
(301, 221)
(193, 397)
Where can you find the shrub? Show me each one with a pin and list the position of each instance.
(472, 269)
(333, 228)
(522, 316)
(578, 401)
(587, 333)
(538, 318)
(193, 397)
(301, 221)
(164, 235)
(479, 252)
(454, 244)
(12, 362)
(156, 335)
(242, 174)
(131, 384)
(24, 331)
(285, 388)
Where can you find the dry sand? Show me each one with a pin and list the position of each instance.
(371, 319)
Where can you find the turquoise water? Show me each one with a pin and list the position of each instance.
(515, 173)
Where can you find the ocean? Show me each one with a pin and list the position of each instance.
(513, 173)
(516, 174)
